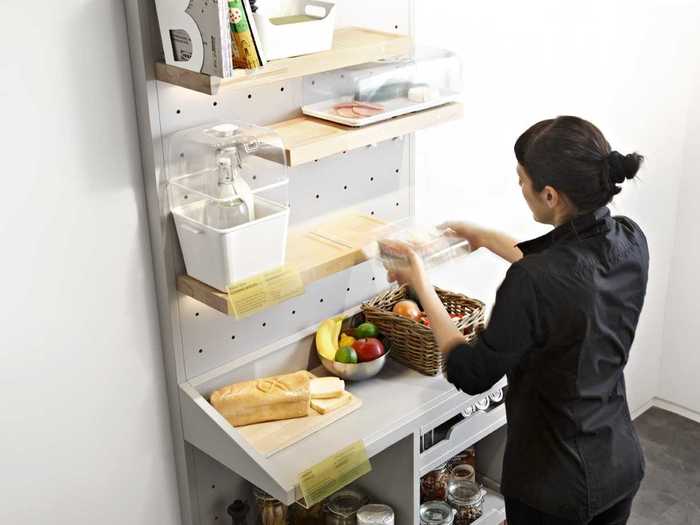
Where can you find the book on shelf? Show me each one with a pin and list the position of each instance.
(246, 47)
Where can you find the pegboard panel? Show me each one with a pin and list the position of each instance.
(392, 16)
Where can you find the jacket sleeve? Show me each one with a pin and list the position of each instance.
(475, 367)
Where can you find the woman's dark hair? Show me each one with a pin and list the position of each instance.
(571, 155)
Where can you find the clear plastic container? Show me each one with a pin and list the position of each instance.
(378, 91)
(228, 190)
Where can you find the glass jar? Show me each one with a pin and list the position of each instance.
(341, 508)
(463, 472)
(466, 457)
(269, 510)
(433, 486)
(482, 405)
(496, 396)
(467, 498)
(436, 513)
(375, 515)
(298, 515)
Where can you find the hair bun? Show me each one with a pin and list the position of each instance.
(623, 167)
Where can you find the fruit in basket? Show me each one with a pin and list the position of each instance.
(346, 354)
(327, 337)
(368, 349)
(366, 330)
(407, 309)
(346, 340)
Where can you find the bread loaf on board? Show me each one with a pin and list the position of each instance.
(270, 399)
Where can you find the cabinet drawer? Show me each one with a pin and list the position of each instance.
(462, 435)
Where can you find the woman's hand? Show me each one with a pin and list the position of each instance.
(502, 245)
(475, 235)
(410, 270)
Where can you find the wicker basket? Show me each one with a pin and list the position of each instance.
(413, 344)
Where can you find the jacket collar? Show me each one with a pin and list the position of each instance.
(580, 227)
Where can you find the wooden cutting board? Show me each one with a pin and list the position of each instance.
(274, 436)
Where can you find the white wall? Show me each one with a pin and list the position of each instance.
(627, 66)
(84, 430)
(679, 383)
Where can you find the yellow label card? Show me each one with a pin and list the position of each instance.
(334, 473)
(255, 294)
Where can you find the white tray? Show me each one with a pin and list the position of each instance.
(392, 108)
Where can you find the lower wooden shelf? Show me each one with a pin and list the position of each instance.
(307, 139)
(316, 252)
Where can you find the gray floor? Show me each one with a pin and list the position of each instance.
(670, 492)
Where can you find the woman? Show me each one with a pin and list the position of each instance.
(561, 329)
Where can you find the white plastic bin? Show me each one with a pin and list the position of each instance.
(222, 257)
(300, 38)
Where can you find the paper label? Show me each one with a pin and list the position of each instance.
(334, 473)
(257, 293)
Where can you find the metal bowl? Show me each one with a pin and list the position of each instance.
(355, 371)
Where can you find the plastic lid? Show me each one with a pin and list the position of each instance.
(375, 514)
(436, 513)
(464, 492)
(223, 130)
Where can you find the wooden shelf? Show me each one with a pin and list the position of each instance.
(351, 46)
(316, 252)
(307, 139)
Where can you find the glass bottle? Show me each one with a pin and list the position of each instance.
(227, 210)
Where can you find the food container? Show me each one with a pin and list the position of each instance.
(433, 486)
(467, 498)
(463, 473)
(466, 457)
(377, 91)
(228, 190)
(436, 513)
(269, 510)
(298, 515)
(483, 404)
(355, 371)
(412, 343)
(341, 507)
(375, 515)
(305, 27)
(496, 396)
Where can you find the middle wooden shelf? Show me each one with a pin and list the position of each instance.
(307, 139)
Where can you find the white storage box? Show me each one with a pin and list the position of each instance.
(305, 26)
(228, 191)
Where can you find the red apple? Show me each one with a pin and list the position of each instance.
(368, 349)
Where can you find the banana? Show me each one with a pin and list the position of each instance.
(327, 337)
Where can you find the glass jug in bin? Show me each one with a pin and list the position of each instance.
(228, 190)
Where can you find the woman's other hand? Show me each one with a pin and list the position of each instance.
(475, 235)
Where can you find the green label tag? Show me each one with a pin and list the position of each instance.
(334, 473)
(254, 295)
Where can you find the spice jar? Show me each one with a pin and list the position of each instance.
(298, 515)
(482, 405)
(496, 396)
(342, 507)
(270, 510)
(466, 457)
(463, 472)
(375, 515)
(433, 486)
(436, 513)
(467, 498)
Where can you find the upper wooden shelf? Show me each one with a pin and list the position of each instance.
(307, 139)
(316, 252)
(351, 46)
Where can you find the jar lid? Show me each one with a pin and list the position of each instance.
(436, 513)
(375, 514)
(464, 492)
(346, 502)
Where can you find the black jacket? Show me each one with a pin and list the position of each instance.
(561, 329)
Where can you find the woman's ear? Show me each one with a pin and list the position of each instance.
(551, 197)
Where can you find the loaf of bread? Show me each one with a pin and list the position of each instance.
(270, 399)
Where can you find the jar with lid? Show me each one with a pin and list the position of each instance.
(433, 486)
(341, 508)
(269, 510)
(375, 514)
(466, 457)
(467, 498)
(482, 405)
(496, 396)
(463, 472)
(436, 513)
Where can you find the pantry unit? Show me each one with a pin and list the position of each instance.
(292, 173)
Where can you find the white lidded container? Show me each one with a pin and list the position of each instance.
(295, 27)
(228, 190)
